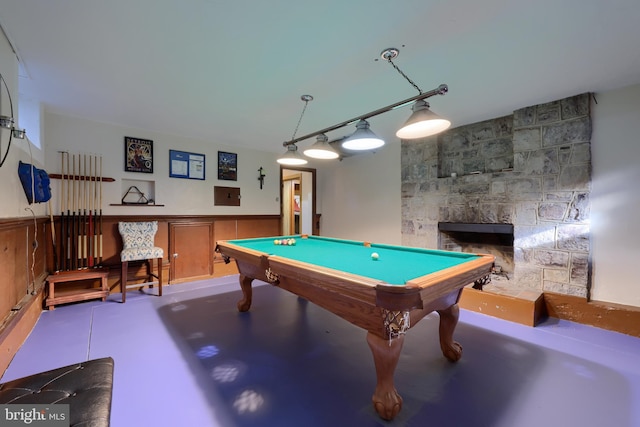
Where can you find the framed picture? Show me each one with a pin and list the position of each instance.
(227, 166)
(186, 165)
(138, 155)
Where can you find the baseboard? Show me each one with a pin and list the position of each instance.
(613, 317)
(18, 327)
(527, 308)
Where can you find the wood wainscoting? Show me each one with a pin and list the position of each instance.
(23, 246)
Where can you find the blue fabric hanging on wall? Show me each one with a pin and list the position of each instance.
(38, 183)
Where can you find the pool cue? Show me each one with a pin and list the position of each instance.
(53, 238)
(94, 201)
(100, 204)
(74, 228)
(63, 235)
(84, 212)
(72, 232)
(78, 215)
(90, 220)
(69, 235)
(81, 217)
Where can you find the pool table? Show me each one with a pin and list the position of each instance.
(385, 294)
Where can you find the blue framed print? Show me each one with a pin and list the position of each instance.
(183, 164)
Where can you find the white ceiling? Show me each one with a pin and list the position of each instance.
(232, 72)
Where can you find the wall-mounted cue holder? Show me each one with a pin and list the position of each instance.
(81, 177)
(226, 196)
(77, 244)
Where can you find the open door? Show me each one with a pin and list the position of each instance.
(298, 201)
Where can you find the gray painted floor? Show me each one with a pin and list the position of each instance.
(190, 359)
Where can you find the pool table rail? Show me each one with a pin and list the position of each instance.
(444, 281)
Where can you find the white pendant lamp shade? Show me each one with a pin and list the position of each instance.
(422, 122)
(363, 138)
(292, 157)
(321, 149)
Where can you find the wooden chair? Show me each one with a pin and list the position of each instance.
(138, 245)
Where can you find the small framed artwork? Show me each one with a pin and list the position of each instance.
(186, 165)
(227, 166)
(138, 155)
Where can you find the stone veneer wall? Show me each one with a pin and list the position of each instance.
(531, 169)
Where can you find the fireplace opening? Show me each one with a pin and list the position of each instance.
(494, 239)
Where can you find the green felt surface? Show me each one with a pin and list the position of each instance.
(395, 265)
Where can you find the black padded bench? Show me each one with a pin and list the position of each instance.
(87, 388)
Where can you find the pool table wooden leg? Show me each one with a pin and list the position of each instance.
(247, 291)
(448, 321)
(386, 400)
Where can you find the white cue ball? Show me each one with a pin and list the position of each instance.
(375, 256)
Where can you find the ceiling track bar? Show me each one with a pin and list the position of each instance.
(440, 90)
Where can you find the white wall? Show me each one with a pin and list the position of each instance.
(13, 202)
(180, 196)
(360, 196)
(615, 212)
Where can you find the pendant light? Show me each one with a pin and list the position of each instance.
(321, 149)
(422, 122)
(292, 157)
(363, 138)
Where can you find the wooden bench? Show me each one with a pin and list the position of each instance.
(60, 295)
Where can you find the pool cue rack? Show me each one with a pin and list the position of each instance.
(79, 242)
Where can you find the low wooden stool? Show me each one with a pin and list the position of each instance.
(63, 296)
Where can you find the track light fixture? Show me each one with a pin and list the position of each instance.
(422, 123)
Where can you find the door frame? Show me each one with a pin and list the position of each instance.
(315, 223)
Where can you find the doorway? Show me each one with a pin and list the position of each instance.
(298, 201)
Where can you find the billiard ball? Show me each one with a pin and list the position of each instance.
(375, 256)
(276, 242)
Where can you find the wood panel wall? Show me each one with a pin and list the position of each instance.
(23, 245)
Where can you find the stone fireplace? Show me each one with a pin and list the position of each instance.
(493, 239)
(516, 186)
